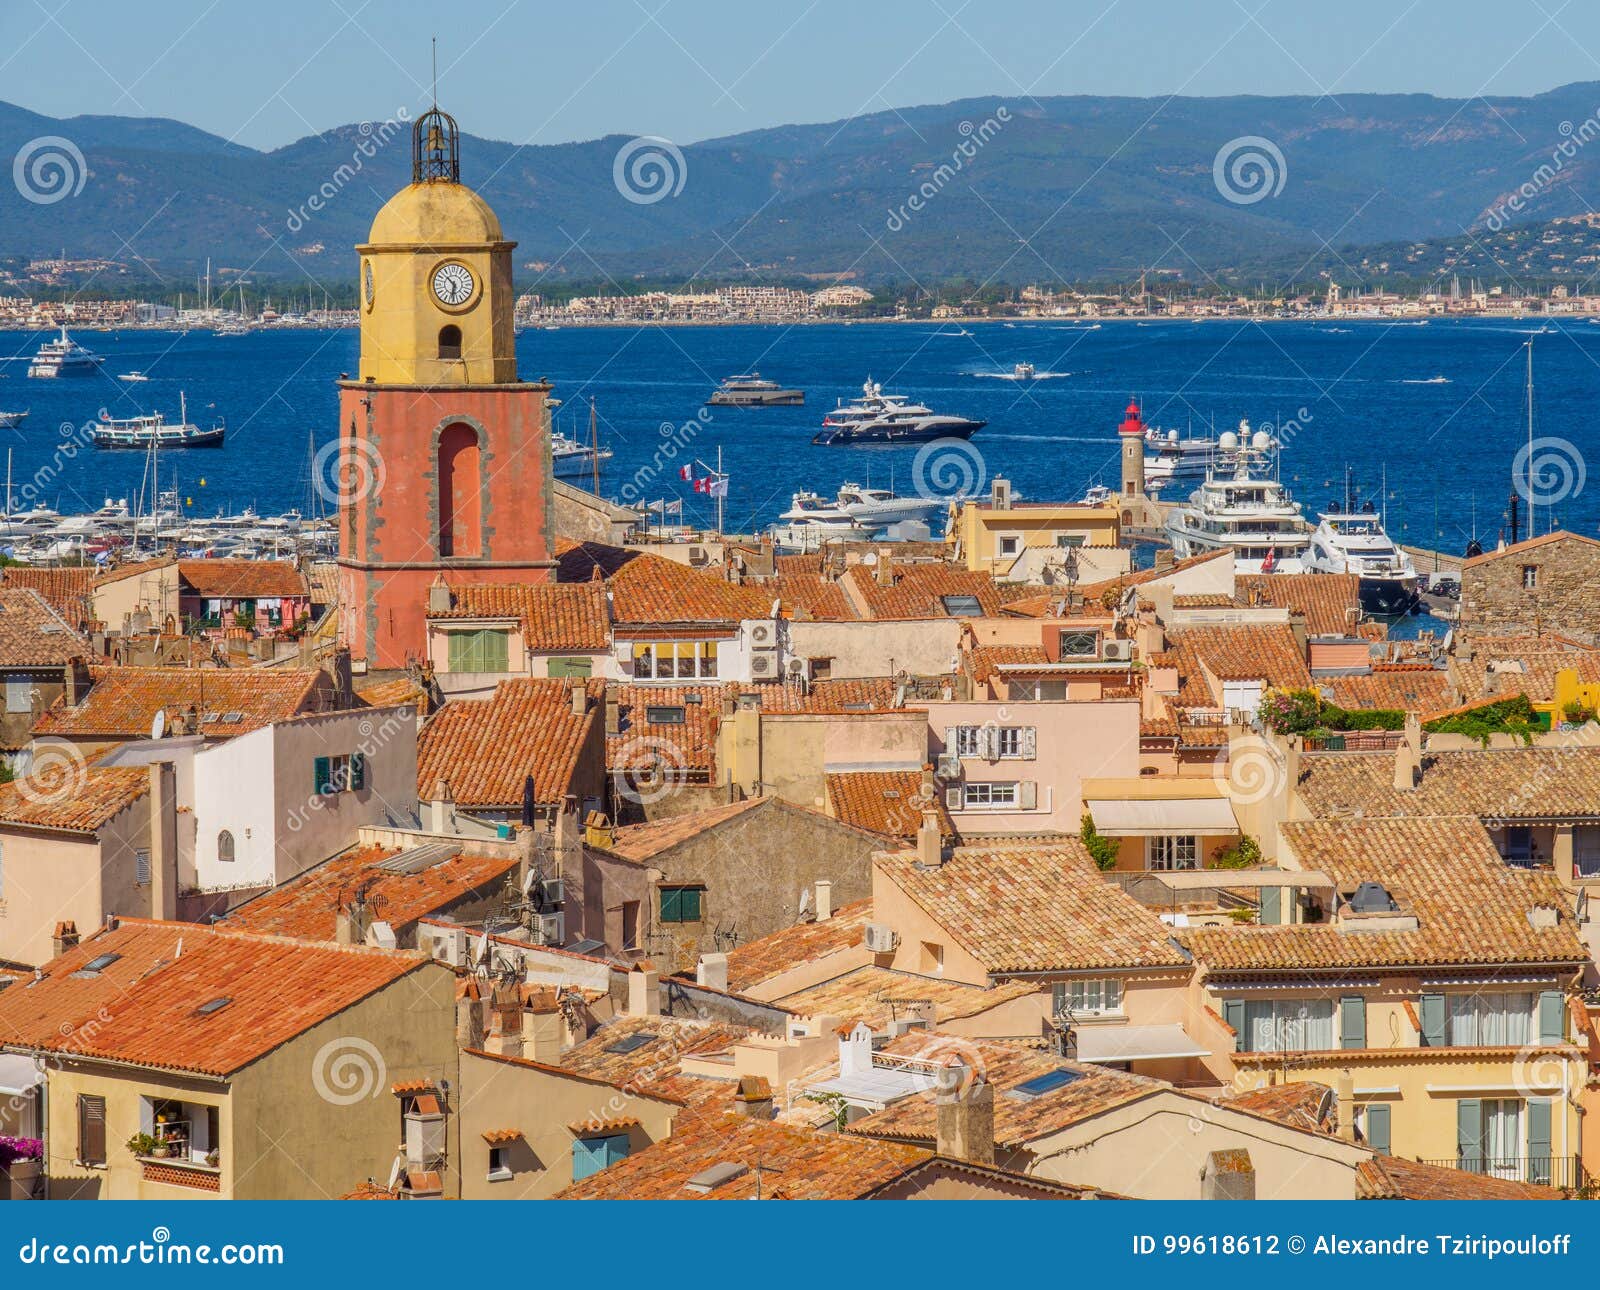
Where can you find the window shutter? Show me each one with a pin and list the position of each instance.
(989, 737)
(322, 774)
(1433, 1021)
(358, 770)
(141, 868)
(1029, 742)
(1469, 1134)
(950, 745)
(91, 1129)
(1539, 1141)
(1552, 1015)
(1271, 905)
(616, 1148)
(586, 1159)
(671, 905)
(952, 799)
(1233, 1014)
(1378, 1126)
(1028, 795)
(1353, 1025)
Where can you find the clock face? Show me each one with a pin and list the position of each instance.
(452, 284)
(366, 283)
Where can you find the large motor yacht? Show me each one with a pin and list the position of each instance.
(890, 418)
(63, 357)
(1242, 507)
(1351, 539)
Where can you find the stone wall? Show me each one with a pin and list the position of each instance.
(1564, 600)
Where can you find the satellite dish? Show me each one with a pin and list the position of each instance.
(158, 724)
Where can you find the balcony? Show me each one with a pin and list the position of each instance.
(1565, 1173)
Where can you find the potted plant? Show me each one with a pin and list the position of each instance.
(145, 1144)
(21, 1164)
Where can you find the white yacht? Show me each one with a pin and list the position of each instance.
(570, 459)
(749, 390)
(810, 521)
(63, 357)
(890, 418)
(1173, 462)
(879, 507)
(1023, 371)
(11, 420)
(1351, 539)
(152, 428)
(1243, 508)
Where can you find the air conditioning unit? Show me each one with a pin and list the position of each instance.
(761, 633)
(1118, 651)
(798, 667)
(764, 665)
(697, 555)
(948, 766)
(552, 929)
(449, 945)
(880, 938)
(544, 894)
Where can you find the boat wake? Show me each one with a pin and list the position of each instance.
(1012, 376)
(1424, 380)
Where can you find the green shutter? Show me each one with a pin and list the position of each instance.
(1539, 1170)
(1377, 1114)
(322, 774)
(460, 644)
(1469, 1134)
(358, 770)
(1271, 905)
(691, 904)
(672, 904)
(1353, 1022)
(1552, 1016)
(495, 651)
(1233, 1014)
(1433, 1021)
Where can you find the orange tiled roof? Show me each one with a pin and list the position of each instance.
(73, 802)
(553, 615)
(485, 750)
(760, 960)
(387, 694)
(1304, 1104)
(1093, 593)
(499, 1137)
(878, 995)
(1470, 906)
(689, 744)
(580, 561)
(798, 1164)
(1330, 602)
(985, 660)
(1392, 687)
(306, 907)
(652, 589)
(241, 579)
(888, 802)
(1247, 652)
(1391, 1178)
(645, 841)
(143, 1008)
(919, 589)
(65, 590)
(596, 1124)
(124, 700)
(33, 633)
(1035, 909)
(1530, 544)
(651, 1069)
(1491, 783)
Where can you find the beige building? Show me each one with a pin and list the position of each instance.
(1548, 584)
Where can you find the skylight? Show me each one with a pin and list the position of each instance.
(962, 606)
(632, 1043)
(214, 1005)
(101, 962)
(1049, 1082)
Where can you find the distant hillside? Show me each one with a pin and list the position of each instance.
(1097, 187)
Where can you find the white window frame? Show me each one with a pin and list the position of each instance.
(1166, 853)
(1092, 652)
(1094, 997)
(1017, 541)
(995, 792)
(707, 662)
(19, 694)
(995, 743)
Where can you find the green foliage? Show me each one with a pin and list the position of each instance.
(1514, 716)
(1102, 850)
(1304, 712)
(143, 1144)
(1244, 854)
(1578, 713)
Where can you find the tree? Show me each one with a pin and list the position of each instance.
(1102, 850)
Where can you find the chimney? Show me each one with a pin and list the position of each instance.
(644, 990)
(1408, 756)
(823, 891)
(712, 971)
(1000, 494)
(64, 938)
(1345, 1093)
(928, 789)
(753, 1099)
(163, 841)
(930, 846)
(77, 682)
(613, 713)
(1228, 1175)
(439, 810)
(439, 598)
(505, 1035)
(965, 1115)
(580, 697)
(883, 571)
(472, 1018)
(344, 682)
(350, 923)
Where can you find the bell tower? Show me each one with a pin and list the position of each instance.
(444, 464)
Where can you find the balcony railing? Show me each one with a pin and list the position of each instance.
(1565, 1173)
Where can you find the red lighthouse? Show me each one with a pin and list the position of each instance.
(1132, 433)
(444, 463)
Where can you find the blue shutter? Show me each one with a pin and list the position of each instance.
(1271, 905)
(588, 1157)
(1539, 1170)
(615, 1148)
(1233, 1014)
(1552, 1016)
(1377, 1117)
(1469, 1134)
(1353, 1022)
(322, 774)
(1433, 1021)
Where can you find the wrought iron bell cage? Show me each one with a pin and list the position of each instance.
(435, 149)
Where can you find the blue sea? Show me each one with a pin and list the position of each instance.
(1437, 410)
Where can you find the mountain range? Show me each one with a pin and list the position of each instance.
(1015, 190)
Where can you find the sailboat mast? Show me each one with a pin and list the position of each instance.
(1532, 525)
(594, 445)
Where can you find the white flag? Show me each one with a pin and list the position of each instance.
(719, 486)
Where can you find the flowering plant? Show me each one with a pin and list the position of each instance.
(15, 1149)
(1290, 712)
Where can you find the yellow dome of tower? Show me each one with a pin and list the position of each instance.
(436, 294)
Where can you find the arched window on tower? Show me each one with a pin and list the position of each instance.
(460, 517)
(449, 341)
(225, 847)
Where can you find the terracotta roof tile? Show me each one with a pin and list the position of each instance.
(306, 907)
(33, 633)
(887, 802)
(651, 1067)
(580, 561)
(143, 1007)
(985, 660)
(645, 841)
(1035, 909)
(1330, 602)
(878, 995)
(1391, 1178)
(919, 590)
(79, 799)
(760, 960)
(652, 589)
(485, 749)
(65, 590)
(1491, 783)
(236, 579)
(1523, 547)
(554, 616)
(1393, 688)
(123, 701)
(1247, 652)
(687, 744)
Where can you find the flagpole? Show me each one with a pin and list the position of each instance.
(720, 491)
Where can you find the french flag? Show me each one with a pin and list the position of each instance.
(686, 472)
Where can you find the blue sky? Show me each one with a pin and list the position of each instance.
(544, 72)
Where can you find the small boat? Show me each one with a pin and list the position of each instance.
(751, 391)
(133, 377)
(11, 420)
(152, 428)
(1023, 371)
(63, 357)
